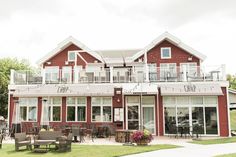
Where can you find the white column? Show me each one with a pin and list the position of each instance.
(43, 75)
(76, 73)
(12, 81)
(223, 72)
(146, 68)
(111, 74)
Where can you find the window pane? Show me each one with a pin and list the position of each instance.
(197, 120)
(70, 100)
(107, 100)
(211, 120)
(32, 114)
(96, 100)
(182, 100)
(81, 113)
(23, 113)
(22, 101)
(56, 113)
(133, 99)
(165, 52)
(32, 101)
(81, 100)
(170, 120)
(106, 113)
(148, 100)
(96, 113)
(56, 100)
(197, 100)
(71, 56)
(70, 113)
(211, 100)
(169, 100)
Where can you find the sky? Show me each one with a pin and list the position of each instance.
(29, 29)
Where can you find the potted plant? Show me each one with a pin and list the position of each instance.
(141, 138)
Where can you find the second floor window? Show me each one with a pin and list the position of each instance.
(165, 53)
(71, 55)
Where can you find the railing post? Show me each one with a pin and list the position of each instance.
(184, 73)
(111, 74)
(12, 81)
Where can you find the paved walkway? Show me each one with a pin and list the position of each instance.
(191, 150)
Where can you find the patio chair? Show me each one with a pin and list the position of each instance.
(22, 140)
(1, 138)
(63, 143)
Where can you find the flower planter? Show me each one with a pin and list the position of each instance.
(142, 143)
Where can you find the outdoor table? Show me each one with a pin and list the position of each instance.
(38, 146)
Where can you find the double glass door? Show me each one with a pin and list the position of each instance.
(141, 115)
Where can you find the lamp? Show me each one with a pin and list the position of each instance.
(118, 99)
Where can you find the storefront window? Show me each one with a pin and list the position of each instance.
(203, 111)
(28, 109)
(211, 120)
(101, 109)
(56, 113)
(76, 109)
(170, 120)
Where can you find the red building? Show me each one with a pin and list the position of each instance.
(159, 87)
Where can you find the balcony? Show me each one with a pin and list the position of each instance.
(120, 75)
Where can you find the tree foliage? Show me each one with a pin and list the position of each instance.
(232, 81)
(6, 64)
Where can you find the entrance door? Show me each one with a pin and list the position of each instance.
(133, 117)
(148, 119)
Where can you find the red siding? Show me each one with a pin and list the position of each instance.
(89, 110)
(161, 120)
(63, 108)
(61, 57)
(178, 55)
(223, 113)
(39, 109)
(11, 109)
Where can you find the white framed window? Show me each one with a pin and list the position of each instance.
(71, 56)
(101, 109)
(28, 109)
(165, 52)
(76, 109)
(53, 108)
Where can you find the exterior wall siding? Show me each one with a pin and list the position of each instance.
(61, 57)
(178, 55)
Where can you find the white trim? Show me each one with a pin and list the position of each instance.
(174, 40)
(165, 48)
(8, 112)
(61, 46)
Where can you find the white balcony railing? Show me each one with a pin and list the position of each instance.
(121, 75)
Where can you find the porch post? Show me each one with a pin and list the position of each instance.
(111, 74)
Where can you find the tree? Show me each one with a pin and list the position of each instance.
(6, 64)
(232, 81)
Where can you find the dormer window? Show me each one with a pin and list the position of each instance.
(71, 55)
(165, 53)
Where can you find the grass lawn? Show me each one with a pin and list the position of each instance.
(227, 155)
(233, 119)
(215, 141)
(8, 150)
